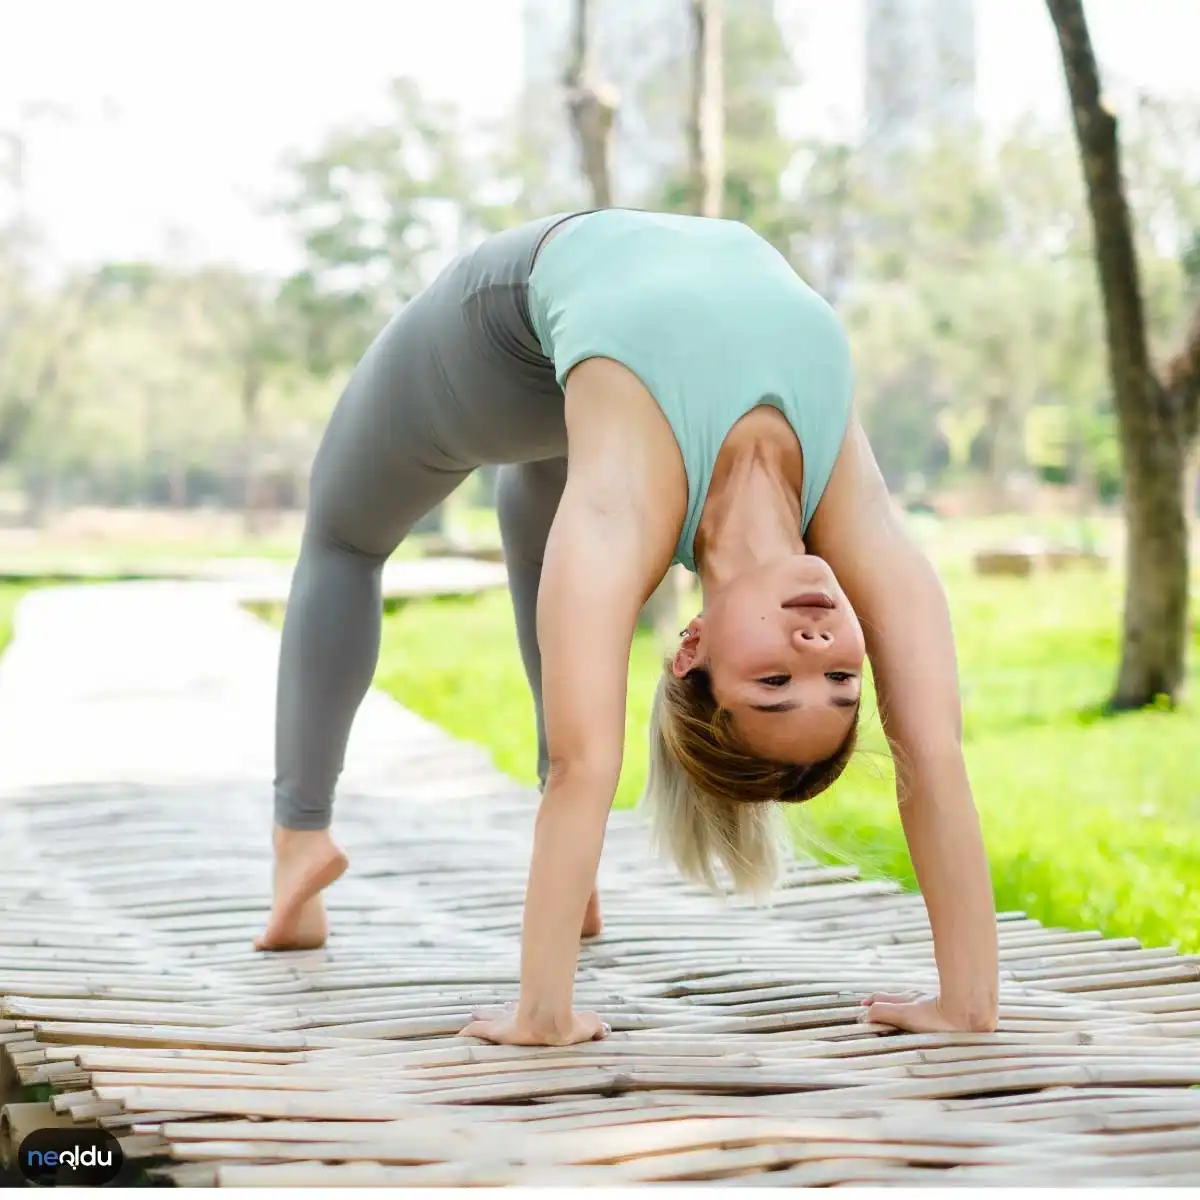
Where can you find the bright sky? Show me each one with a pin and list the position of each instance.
(181, 111)
(1143, 44)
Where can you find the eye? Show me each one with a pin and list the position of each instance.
(775, 680)
(839, 676)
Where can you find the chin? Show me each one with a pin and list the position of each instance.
(813, 567)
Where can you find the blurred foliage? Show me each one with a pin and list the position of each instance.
(962, 267)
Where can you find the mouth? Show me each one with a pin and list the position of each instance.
(811, 600)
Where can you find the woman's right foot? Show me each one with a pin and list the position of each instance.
(306, 862)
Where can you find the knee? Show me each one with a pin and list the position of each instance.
(329, 532)
(346, 515)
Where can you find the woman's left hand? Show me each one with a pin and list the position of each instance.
(912, 1014)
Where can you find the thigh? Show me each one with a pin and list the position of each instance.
(382, 464)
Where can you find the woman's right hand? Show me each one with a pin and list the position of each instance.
(506, 1027)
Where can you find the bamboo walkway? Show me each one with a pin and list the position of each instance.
(135, 744)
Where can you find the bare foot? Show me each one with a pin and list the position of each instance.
(306, 862)
(593, 922)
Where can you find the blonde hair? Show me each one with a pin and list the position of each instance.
(710, 800)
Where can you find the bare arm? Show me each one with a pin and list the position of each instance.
(906, 621)
(593, 586)
(610, 544)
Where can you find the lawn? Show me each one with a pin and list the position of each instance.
(10, 595)
(1090, 823)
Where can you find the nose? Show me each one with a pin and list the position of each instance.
(812, 639)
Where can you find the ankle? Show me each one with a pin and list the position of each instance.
(298, 841)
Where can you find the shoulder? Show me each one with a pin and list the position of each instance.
(856, 508)
(620, 447)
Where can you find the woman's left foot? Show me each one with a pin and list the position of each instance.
(306, 862)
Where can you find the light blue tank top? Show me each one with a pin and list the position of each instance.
(712, 320)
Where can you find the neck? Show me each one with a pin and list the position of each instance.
(751, 516)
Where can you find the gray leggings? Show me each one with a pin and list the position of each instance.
(456, 380)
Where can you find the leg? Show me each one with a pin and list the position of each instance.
(377, 472)
(527, 498)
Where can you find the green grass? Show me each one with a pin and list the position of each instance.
(1090, 823)
(10, 595)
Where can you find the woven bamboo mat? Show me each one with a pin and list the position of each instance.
(133, 885)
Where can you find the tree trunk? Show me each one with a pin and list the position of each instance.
(1153, 651)
(1191, 492)
(706, 124)
(21, 404)
(1183, 388)
(593, 110)
(996, 445)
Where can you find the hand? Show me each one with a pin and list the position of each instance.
(505, 1027)
(913, 1014)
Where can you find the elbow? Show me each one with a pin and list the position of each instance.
(577, 799)
(931, 766)
(583, 772)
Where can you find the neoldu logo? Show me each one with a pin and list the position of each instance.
(70, 1157)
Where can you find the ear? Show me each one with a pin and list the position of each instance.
(689, 649)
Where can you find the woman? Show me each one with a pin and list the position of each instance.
(657, 389)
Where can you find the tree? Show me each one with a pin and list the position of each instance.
(757, 68)
(155, 405)
(706, 120)
(592, 105)
(249, 336)
(1156, 416)
(377, 208)
(828, 200)
(40, 324)
(374, 209)
(970, 304)
(750, 53)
